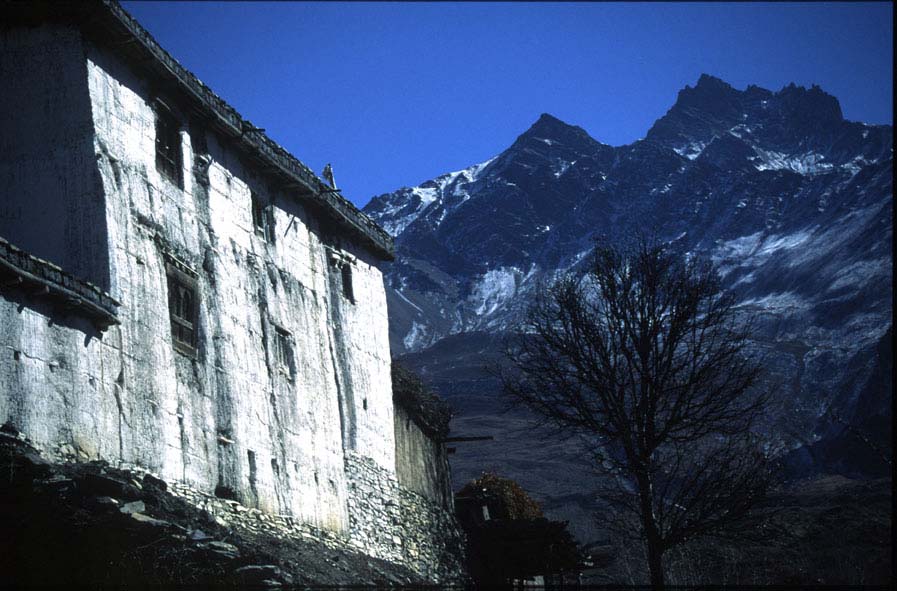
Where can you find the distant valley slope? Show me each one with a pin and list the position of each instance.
(791, 201)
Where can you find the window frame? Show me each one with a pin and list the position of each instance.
(262, 220)
(180, 281)
(284, 352)
(169, 144)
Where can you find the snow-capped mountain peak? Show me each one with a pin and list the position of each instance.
(721, 165)
(793, 204)
(435, 197)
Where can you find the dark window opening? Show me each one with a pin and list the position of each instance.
(261, 219)
(348, 291)
(225, 492)
(283, 343)
(252, 467)
(168, 145)
(364, 403)
(182, 309)
(275, 467)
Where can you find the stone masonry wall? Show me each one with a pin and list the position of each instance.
(286, 441)
(391, 522)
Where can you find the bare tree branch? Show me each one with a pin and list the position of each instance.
(643, 357)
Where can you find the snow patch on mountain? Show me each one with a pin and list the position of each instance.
(561, 166)
(430, 197)
(756, 249)
(778, 302)
(404, 208)
(399, 293)
(397, 225)
(809, 163)
(468, 175)
(861, 273)
(416, 335)
(493, 289)
(427, 195)
(855, 165)
(691, 150)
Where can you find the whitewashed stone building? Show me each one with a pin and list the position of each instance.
(177, 292)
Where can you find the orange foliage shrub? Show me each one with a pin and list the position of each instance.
(518, 504)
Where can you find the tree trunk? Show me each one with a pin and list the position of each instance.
(650, 531)
(655, 564)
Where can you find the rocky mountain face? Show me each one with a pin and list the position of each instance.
(790, 200)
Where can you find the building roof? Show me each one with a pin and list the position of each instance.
(109, 24)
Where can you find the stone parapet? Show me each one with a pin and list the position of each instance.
(19, 268)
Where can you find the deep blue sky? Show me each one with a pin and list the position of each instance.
(396, 93)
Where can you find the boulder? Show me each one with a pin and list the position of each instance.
(220, 549)
(133, 507)
(150, 481)
(104, 485)
(267, 575)
(197, 535)
(146, 519)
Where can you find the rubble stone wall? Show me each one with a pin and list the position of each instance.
(389, 521)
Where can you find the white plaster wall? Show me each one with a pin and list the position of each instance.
(290, 424)
(127, 395)
(421, 463)
(361, 333)
(57, 379)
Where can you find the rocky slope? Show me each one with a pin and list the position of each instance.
(793, 203)
(76, 524)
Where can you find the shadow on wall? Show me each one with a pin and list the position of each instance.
(52, 311)
(53, 205)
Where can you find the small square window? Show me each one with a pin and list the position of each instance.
(182, 310)
(262, 222)
(283, 351)
(168, 145)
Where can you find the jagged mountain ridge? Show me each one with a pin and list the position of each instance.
(730, 173)
(793, 202)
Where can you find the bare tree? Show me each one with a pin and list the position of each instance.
(644, 358)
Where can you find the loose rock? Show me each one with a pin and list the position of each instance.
(133, 507)
(140, 517)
